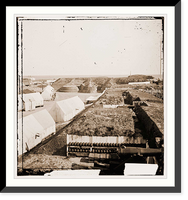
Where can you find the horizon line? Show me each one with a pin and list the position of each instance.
(92, 75)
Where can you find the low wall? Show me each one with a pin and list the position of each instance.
(138, 83)
(110, 106)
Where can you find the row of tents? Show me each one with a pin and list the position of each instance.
(32, 100)
(34, 128)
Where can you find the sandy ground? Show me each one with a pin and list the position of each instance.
(43, 161)
(48, 155)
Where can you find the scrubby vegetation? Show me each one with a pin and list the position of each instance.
(111, 97)
(105, 122)
(111, 100)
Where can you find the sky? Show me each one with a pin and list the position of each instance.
(91, 47)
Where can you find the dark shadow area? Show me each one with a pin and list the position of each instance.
(151, 129)
(61, 151)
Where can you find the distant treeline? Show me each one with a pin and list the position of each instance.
(133, 78)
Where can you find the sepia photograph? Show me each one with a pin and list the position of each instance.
(90, 96)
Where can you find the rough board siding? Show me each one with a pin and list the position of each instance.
(103, 139)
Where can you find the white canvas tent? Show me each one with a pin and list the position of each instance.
(28, 102)
(29, 133)
(76, 103)
(61, 111)
(46, 121)
(48, 93)
(33, 128)
(38, 99)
